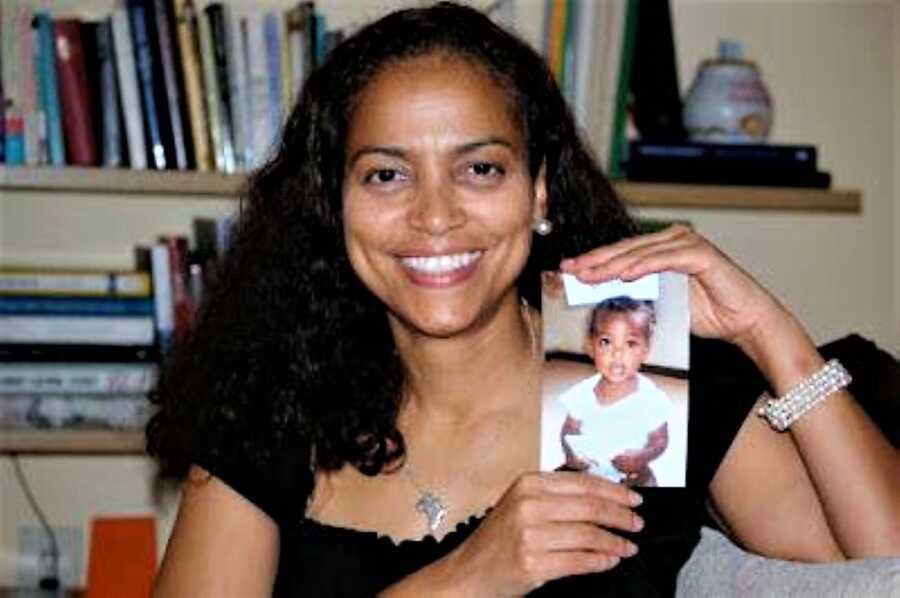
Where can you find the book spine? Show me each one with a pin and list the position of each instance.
(76, 109)
(192, 79)
(74, 353)
(115, 284)
(74, 306)
(95, 378)
(49, 86)
(102, 330)
(164, 309)
(216, 14)
(144, 61)
(128, 86)
(109, 97)
(183, 308)
(40, 411)
(618, 143)
(172, 91)
(297, 43)
(272, 24)
(257, 90)
(211, 87)
(237, 78)
(34, 130)
(731, 155)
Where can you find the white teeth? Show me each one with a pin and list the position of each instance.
(441, 264)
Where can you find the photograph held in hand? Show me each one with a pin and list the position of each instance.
(615, 387)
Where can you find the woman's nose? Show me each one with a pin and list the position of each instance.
(436, 209)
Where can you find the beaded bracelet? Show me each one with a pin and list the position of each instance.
(784, 411)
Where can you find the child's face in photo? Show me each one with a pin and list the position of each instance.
(619, 345)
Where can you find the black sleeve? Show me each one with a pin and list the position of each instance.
(279, 487)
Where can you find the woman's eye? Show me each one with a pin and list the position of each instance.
(486, 169)
(382, 176)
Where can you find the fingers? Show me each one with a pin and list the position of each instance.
(562, 482)
(610, 252)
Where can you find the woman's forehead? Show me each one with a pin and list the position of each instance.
(434, 93)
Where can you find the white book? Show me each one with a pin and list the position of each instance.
(128, 88)
(64, 378)
(163, 305)
(237, 84)
(85, 330)
(258, 89)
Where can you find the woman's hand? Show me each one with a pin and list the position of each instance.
(546, 526)
(726, 302)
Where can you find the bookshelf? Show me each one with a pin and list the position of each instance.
(70, 441)
(175, 184)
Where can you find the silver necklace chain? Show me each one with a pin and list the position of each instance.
(429, 503)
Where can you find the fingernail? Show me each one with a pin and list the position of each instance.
(631, 549)
(637, 523)
(635, 499)
(613, 561)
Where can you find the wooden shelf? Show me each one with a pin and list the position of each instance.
(673, 195)
(170, 183)
(176, 184)
(80, 442)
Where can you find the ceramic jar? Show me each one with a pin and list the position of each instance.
(728, 101)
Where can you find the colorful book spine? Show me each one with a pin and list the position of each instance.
(273, 30)
(110, 110)
(192, 79)
(183, 308)
(48, 85)
(144, 61)
(299, 27)
(126, 71)
(258, 90)
(79, 284)
(66, 378)
(211, 87)
(81, 147)
(23, 124)
(98, 330)
(174, 107)
(618, 141)
(74, 306)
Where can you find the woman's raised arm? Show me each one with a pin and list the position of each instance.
(827, 488)
(221, 545)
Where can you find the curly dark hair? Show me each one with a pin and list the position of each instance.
(624, 305)
(290, 350)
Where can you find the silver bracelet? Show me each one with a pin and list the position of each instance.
(784, 411)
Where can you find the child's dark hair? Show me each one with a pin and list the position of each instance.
(621, 305)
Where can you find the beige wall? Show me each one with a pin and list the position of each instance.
(834, 70)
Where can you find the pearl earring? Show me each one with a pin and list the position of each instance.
(543, 227)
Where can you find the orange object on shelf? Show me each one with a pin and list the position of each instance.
(122, 560)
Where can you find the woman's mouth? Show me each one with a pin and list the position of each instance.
(441, 270)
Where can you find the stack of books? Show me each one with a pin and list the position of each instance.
(725, 164)
(159, 84)
(77, 349)
(82, 349)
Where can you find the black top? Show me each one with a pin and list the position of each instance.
(324, 560)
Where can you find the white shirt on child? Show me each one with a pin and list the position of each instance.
(609, 430)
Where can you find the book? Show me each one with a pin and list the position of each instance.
(88, 31)
(618, 141)
(165, 51)
(75, 306)
(211, 92)
(257, 80)
(77, 119)
(155, 260)
(126, 72)
(110, 109)
(766, 177)
(69, 378)
(23, 126)
(273, 32)
(77, 353)
(79, 411)
(89, 330)
(215, 14)
(236, 59)
(154, 115)
(300, 46)
(192, 82)
(48, 86)
(182, 305)
(74, 283)
(719, 155)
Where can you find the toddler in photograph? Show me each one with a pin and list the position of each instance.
(617, 420)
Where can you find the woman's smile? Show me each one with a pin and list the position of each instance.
(438, 271)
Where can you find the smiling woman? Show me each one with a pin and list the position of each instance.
(357, 409)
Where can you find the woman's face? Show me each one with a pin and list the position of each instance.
(438, 199)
